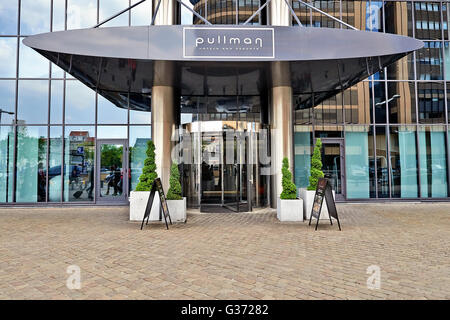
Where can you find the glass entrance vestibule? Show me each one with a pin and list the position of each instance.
(225, 164)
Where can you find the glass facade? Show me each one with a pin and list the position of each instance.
(393, 127)
(50, 122)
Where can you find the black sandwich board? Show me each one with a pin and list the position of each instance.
(323, 190)
(157, 186)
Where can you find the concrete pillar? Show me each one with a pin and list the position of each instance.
(164, 99)
(281, 106)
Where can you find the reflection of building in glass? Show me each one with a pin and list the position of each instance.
(385, 137)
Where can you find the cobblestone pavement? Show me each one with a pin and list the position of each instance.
(226, 256)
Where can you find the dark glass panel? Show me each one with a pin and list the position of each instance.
(380, 101)
(431, 101)
(357, 104)
(428, 20)
(403, 69)
(398, 18)
(429, 61)
(401, 102)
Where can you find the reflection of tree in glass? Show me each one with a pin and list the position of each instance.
(111, 156)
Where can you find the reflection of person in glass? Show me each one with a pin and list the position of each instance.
(110, 179)
(91, 183)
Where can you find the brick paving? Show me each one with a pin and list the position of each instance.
(226, 256)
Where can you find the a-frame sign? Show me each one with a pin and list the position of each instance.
(323, 190)
(157, 186)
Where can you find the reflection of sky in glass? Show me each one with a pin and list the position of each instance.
(186, 15)
(33, 101)
(109, 8)
(34, 16)
(81, 14)
(56, 102)
(8, 17)
(8, 49)
(58, 15)
(109, 113)
(139, 132)
(31, 63)
(111, 132)
(80, 103)
(7, 98)
(141, 14)
(140, 117)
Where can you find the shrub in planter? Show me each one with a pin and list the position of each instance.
(174, 192)
(316, 166)
(308, 194)
(139, 198)
(289, 188)
(149, 171)
(289, 208)
(176, 203)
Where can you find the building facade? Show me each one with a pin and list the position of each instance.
(386, 137)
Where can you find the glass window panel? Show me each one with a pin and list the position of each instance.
(403, 162)
(34, 17)
(433, 162)
(380, 102)
(403, 69)
(33, 102)
(59, 9)
(302, 153)
(357, 104)
(81, 14)
(80, 103)
(55, 165)
(6, 163)
(140, 117)
(79, 163)
(382, 162)
(359, 164)
(108, 112)
(428, 22)
(401, 102)
(429, 61)
(8, 54)
(446, 20)
(187, 17)
(431, 101)
(56, 101)
(31, 63)
(142, 14)
(374, 14)
(447, 60)
(139, 135)
(57, 72)
(111, 132)
(7, 100)
(8, 17)
(108, 8)
(398, 18)
(329, 111)
(31, 164)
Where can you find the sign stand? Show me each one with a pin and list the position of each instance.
(323, 190)
(163, 209)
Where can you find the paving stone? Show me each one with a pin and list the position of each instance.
(226, 256)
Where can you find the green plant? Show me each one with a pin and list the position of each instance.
(174, 192)
(289, 188)
(149, 171)
(316, 166)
